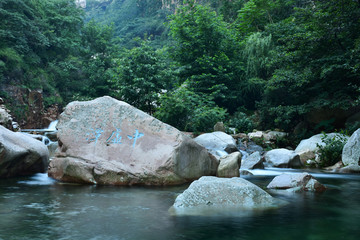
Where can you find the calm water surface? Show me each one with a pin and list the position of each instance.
(39, 208)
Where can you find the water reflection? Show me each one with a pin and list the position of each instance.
(30, 209)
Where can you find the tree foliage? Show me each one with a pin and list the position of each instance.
(279, 58)
(140, 77)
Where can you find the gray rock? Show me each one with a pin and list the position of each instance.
(310, 144)
(282, 158)
(5, 118)
(219, 127)
(21, 155)
(256, 135)
(306, 155)
(273, 135)
(350, 169)
(211, 195)
(351, 150)
(229, 165)
(296, 182)
(216, 143)
(106, 141)
(252, 162)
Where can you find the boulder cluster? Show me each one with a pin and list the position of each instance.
(106, 141)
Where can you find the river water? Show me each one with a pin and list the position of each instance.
(40, 208)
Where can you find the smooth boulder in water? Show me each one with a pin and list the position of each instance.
(106, 141)
(21, 155)
(296, 182)
(222, 196)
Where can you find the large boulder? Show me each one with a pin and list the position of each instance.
(229, 165)
(296, 182)
(351, 151)
(211, 195)
(311, 144)
(282, 158)
(217, 143)
(21, 155)
(106, 141)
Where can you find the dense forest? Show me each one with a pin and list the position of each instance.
(251, 63)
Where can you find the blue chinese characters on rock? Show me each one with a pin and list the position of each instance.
(93, 135)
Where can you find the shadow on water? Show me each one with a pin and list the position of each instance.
(40, 208)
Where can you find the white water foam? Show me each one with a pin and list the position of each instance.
(39, 179)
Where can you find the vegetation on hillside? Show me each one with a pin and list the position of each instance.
(190, 63)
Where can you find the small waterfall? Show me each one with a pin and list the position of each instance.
(39, 179)
(52, 126)
(47, 136)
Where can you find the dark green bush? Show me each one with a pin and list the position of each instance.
(331, 152)
(189, 111)
(241, 122)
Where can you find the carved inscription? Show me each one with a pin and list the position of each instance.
(115, 137)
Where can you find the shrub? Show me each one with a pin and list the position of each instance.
(331, 152)
(189, 111)
(241, 122)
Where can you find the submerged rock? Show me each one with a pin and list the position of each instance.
(217, 143)
(106, 141)
(282, 158)
(296, 182)
(212, 195)
(21, 155)
(229, 165)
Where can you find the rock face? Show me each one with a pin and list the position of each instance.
(351, 154)
(21, 155)
(214, 195)
(106, 141)
(351, 150)
(229, 165)
(217, 143)
(252, 162)
(296, 182)
(282, 158)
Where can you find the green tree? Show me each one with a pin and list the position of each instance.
(97, 56)
(189, 111)
(140, 77)
(205, 49)
(315, 62)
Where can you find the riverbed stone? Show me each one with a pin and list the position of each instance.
(211, 195)
(219, 127)
(296, 182)
(217, 143)
(351, 150)
(282, 158)
(306, 155)
(256, 135)
(21, 155)
(229, 165)
(274, 135)
(252, 162)
(311, 144)
(106, 141)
